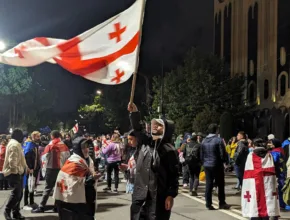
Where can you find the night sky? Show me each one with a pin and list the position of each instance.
(170, 28)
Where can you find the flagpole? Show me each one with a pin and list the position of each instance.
(138, 51)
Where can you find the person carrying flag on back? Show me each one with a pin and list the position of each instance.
(53, 158)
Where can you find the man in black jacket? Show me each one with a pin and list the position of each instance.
(191, 154)
(213, 156)
(156, 182)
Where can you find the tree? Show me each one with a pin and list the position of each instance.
(204, 119)
(14, 82)
(90, 111)
(199, 87)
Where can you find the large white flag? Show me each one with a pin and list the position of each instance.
(106, 53)
(259, 192)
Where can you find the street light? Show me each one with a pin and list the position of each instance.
(99, 92)
(2, 45)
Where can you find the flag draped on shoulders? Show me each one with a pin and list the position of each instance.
(260, 191)
(70, 183)
(107, 53)
(55, 154)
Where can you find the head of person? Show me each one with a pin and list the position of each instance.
(81, 147)
(4, 141)
(271, 137)
(108, 137)
(194, 138)
(259, 143)
(241, 136)
(55, 135)
(132, 139)
(275, 143)
(17, 135)
(213, 129)
(67, 137)
(115, 137)
(157, 127)
(35, 136)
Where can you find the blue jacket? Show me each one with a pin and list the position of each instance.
(213, 151)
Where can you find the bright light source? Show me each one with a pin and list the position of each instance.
(2, 45)
(99, 92)
(10, 130)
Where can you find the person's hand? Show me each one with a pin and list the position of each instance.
(169, 203)
(97, 175)
(123, 167)
(27, 170)
(132, 108)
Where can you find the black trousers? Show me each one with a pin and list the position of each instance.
(110, 168)
(26, 191)
(215, 175)
(16, 184)
(77, 211)
(149, 209)
(194, 172)
(4, 184)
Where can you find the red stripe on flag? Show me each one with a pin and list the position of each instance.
(71, 59)
(75, 169)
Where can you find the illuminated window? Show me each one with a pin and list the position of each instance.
(282, 56)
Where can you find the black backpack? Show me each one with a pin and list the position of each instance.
(192, 155)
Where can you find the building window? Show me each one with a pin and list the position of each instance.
(252, 92)
(282, 85)
(282, 56)
(266, 89)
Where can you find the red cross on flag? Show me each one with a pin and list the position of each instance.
(259, 191)
(107, 53)
(76, 128)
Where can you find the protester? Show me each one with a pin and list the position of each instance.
(75, 188)
(178, 141)
(3, 180)
(113, 152)
(33, 163)
(13, 169)
(191, 154)
(259, 191)
(241, 155)
(53, 158)
(156, 180)
(130, 162)
(67, 141)
(277, 153)
(213, 156)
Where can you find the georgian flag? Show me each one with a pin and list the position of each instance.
(76, 128)
(70, 182)
(106, 53)
(259, 191)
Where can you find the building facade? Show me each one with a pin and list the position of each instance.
(253, 37)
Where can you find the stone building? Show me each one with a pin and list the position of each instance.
(253, 37)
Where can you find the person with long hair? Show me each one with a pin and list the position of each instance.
(114, 153)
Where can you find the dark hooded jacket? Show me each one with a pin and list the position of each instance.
(157, 163)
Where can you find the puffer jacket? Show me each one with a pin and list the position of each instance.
(213, 151)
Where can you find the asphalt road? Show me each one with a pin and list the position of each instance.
(117, 206)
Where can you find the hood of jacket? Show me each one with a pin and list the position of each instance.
(261, 151)
(209, 137)
(77, 145)
(168, 130)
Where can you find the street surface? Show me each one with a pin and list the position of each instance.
(117, 206)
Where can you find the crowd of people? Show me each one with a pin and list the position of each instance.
(213, 156)
(72, 166)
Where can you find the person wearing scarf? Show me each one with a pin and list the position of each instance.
(76, 185)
